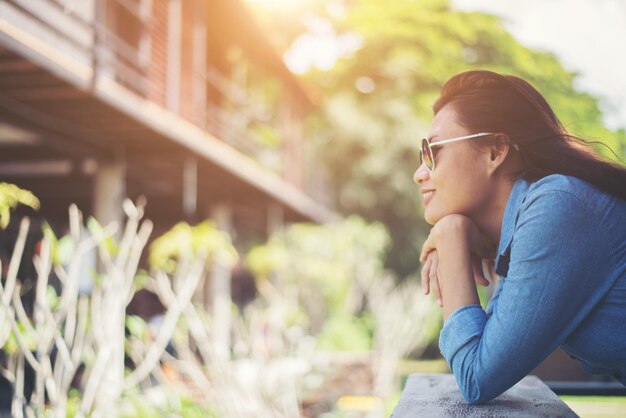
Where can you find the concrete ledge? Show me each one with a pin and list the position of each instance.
(437, 395)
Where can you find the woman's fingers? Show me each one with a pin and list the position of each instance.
(491, 270)
(479, 272)
(430, 278)
(434, 278)
(480, 244)
(427, 249)
(425, 277)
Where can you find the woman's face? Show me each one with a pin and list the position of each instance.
(459, 182)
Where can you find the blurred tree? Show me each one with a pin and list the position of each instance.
(326, 269)
(379, 101)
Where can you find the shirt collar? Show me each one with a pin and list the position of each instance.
(517, 196)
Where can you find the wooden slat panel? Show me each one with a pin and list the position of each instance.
(21, 80)
(11, 64)
(49, 94)
(45, 21)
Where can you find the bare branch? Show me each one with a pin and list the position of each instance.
(16, 259)
(169, 323)
(94, 379)
(22, 343)
(18, 396)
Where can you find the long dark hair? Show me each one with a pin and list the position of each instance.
(485, 101)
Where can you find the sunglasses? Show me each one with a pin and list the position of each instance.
(426, 150)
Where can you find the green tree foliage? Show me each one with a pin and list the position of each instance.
(378, 103)
(326, 268)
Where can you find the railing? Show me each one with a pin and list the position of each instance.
(128, 65)
(587, 388)
(231, 116)
(81, 30)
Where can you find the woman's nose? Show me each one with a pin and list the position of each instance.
(421, 174)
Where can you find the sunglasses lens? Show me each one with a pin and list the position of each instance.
(426, 155)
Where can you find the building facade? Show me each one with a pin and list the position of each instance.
(181, 101)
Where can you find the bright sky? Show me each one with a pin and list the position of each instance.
(588, 36)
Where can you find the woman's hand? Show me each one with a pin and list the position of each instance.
(430, 280)
(453, 227)
(458, 227)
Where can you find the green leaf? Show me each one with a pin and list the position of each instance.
(10, 197)
(52, 299)
(184, 240)
(136, 326)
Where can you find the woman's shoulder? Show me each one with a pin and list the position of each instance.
(569, 200)
(562, 183)
(558, 189)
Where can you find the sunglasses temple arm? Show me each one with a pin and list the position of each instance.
(462, 138)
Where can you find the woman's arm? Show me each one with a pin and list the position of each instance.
(557, 262)
(449, 237)
(452, 250)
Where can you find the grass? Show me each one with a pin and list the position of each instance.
(406, 367)
(596, 406)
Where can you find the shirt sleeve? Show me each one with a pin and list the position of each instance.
(555, 278)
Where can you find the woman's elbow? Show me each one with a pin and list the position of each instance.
(476, 398)
(476, 393)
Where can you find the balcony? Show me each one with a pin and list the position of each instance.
(101, 71)
(96, 38)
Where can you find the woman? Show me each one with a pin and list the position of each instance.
(501, 178)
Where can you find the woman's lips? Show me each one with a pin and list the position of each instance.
(427, 196)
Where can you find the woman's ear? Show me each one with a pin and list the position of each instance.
(498, 152)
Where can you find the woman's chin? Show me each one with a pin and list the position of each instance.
(431, 217)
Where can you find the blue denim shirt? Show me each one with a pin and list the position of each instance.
(562, 263)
